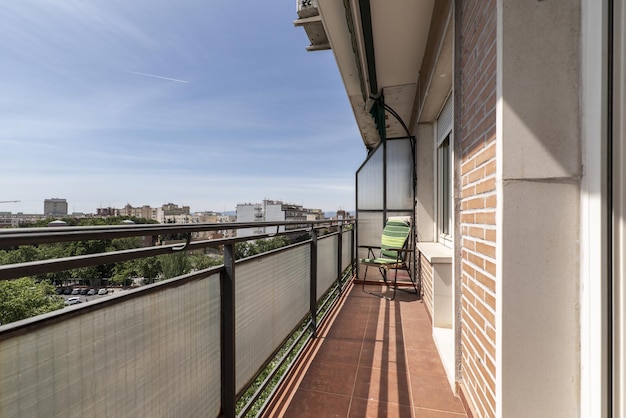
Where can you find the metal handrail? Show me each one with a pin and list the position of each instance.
(31, 236)
(34, 236)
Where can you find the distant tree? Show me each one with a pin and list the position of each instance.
(175, 264)
(24, 298)
(250, 248)
(201, 261)
(149, 268)
(123, 272)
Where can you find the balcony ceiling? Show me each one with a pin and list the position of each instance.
(399, 30)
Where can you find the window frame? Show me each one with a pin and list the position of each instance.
(444, 157)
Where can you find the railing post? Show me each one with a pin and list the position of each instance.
(313, 287)
(228, 332)
(340, 253)
(353, 254)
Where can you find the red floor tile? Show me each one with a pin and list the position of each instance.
(363, 408)
(311, 404)
(376, 359)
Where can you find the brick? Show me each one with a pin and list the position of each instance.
(471, 272)
(491, 367)
(486, 155)
(467, 167)
(468, 191)
(476, 203)
(476, 260)
(468, 218)
(486, 281)
(486, 249)
(476, 290)
(475, 232)
(490, 268)
(484, 341)
(490, 168)
(488, 218)
(490, 300)
(470, 245)
(488, 185)
(486, 313)
(476, 175)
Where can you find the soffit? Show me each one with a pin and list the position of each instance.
(400, 31)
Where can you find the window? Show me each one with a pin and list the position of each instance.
(444, 175)
(444, 194)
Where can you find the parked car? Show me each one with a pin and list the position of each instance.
(73, 301)
(102, 291)
(67, 291)
(91, 292)
(76, 291)
(84, 291)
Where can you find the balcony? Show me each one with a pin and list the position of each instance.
(201, 344)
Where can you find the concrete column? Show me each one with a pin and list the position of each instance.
(424, 161)
(538, 215)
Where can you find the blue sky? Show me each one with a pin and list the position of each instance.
(202, 103)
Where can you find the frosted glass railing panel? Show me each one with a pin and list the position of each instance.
(370, 182)
(370, 232)
(271, 298)
(346, 249)
(327, 248)
(370, 228)
(147, 356)
(399, 175)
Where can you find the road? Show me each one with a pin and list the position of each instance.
(89, 298)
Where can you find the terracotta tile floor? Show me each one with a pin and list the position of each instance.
(375, 358)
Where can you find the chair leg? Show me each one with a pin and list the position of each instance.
(363, 282)
(383, 273)
(413, 283)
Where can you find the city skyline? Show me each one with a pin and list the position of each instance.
(207, 105)
(93, 211)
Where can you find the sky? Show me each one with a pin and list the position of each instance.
(205, 103)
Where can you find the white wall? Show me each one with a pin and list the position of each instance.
(538, 215)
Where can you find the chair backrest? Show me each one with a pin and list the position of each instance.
(395, 235)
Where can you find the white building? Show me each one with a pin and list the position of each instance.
(268, 211)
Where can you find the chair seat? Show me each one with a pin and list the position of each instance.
(381, 262)
(395, 250)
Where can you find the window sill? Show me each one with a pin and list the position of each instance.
(435, 252)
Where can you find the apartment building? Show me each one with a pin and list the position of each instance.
(271, 211)
(144, 211)
(55, 207)
(499, 127)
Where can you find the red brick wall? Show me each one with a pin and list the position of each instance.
(476, 133)
(426, 275)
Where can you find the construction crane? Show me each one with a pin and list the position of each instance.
(10, 201)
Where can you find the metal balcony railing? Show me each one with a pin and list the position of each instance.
(187, 346)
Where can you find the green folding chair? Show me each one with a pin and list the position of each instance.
(395, 253)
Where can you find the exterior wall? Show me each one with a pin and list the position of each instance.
(246, 213)
(475, 144)
(538, 215)
(273, 212)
